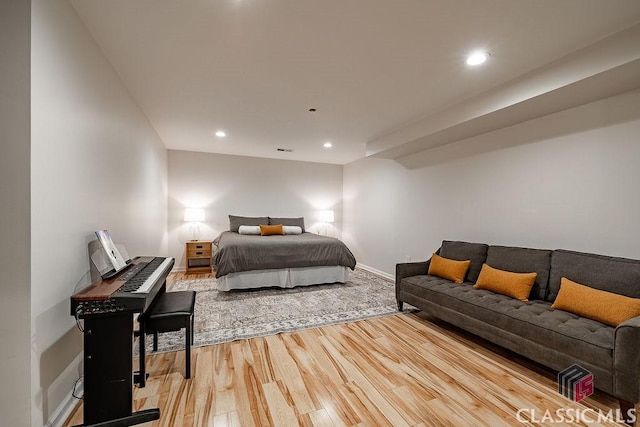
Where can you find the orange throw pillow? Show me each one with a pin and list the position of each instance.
(448, 268)
(514, 285)
(270, 230)
(606, 307)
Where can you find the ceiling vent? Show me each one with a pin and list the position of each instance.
(286, 150)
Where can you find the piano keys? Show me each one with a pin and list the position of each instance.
(132, 290)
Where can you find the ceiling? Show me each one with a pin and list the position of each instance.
(254, 68)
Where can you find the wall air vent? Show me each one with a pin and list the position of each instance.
(286, 150)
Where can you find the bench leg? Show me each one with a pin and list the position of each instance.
(400, 304)
(192, 329)
(155, 341)
(142, 362)
(187, 350)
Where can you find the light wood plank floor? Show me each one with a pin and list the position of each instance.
(398, 370)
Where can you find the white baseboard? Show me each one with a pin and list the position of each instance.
(66, 408)
(377, 272)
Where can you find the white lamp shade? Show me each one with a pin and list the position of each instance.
(194, 215)
(326, 216)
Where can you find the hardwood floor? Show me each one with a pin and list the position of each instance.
(398, 370)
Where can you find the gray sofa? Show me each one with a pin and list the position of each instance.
(555, 338)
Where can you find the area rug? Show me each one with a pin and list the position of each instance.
(227, 316)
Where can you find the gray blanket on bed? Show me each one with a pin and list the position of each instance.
(237, 252)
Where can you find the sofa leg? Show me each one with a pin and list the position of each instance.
(626, 413)
(400, 304)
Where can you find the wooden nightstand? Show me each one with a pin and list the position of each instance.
(199, 256)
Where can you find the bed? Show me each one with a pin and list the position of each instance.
(245, 261)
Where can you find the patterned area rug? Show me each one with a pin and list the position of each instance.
(228, 316)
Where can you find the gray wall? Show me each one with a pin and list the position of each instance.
(15, 243)
(248, 186)
(568, 180)
(96, 163)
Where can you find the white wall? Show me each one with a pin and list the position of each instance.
(568, 180)
(247, 186)
(15, 243)
(96, 163)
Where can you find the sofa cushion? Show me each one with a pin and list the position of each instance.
(611, 274)
(448, 268)
(462, 251)
(523, 260)
(535, 320)
(514, 285)
(606, 307)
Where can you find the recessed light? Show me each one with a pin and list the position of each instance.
(221, 134)
(477, 57)
(327, 145)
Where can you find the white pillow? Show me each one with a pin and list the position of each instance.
(249, 229)
(292, 229)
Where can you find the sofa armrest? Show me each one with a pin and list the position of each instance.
(626, 360)
(409, 269)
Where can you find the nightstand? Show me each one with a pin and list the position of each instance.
(199, 256)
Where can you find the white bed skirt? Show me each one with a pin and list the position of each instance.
(283, 278)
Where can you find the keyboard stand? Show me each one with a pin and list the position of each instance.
(108, 387)
(107, 312)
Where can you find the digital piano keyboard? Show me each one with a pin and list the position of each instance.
(106, 307)
(133, 290)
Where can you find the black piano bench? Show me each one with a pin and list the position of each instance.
(171, 311)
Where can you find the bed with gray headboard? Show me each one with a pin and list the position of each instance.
(253, 255)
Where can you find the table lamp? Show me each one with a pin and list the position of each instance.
(195, 216)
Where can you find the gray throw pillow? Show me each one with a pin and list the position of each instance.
(236, 221)
(299, 222)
